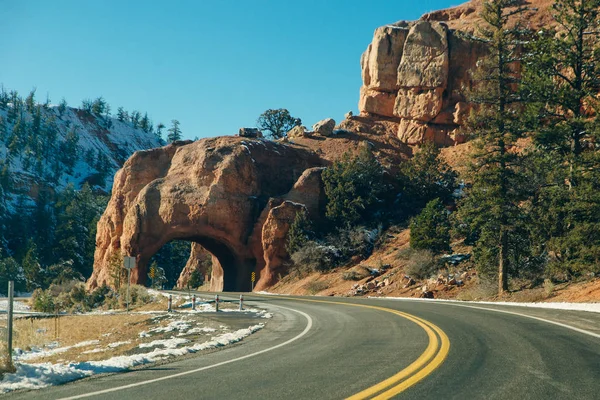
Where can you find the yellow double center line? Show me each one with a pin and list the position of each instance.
(433, 356)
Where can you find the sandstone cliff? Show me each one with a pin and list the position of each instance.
(415, 74)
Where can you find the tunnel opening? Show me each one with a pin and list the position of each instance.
(166, 265)
(235, 271)
(222, 270)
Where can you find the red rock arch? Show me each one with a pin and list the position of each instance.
(227, 194)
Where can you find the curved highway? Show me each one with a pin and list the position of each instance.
(333, 348)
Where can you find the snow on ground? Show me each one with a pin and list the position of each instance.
(36, 376)
(38, 352)
(591, 307)
(17, 305)
(171, 343)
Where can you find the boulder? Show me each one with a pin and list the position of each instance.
(299, 131)
(250, 133)
(324, 127)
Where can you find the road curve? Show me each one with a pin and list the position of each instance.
(332, 348)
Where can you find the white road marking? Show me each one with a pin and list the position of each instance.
(593, 334)
(132, 385)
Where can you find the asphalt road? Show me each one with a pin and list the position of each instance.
(332, 348)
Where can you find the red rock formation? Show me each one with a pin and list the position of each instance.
(212, 192)
(416, 73)
(197, 261)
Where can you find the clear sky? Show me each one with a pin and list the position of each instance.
(213, 65)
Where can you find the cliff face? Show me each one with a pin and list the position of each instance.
(415, 74)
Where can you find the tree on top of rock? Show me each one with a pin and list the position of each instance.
(174, 132)
(277, 122)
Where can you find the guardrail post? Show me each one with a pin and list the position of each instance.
(217, 303)
(241, 302)
(194, 302)
(170, 307)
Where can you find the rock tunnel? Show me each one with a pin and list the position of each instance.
(234, 196)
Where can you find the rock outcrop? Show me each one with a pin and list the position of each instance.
(415, 74)
(198, 261)
(233, 196)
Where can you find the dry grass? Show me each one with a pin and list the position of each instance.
(70, 330)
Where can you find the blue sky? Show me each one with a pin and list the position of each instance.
(213, 65)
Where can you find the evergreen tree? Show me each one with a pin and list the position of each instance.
(122, 115)
(135, 119)
(354, 187)
(87, 105)
(298, 234)
(62, 107)
(145, 123)
(159, 129)
(30, 101)
(34, 274)
(492, 208)
(98, 106)
(3, 130)
(562, 76)
(430, 230)
(426, 177)
(174, 132)
(69, 150)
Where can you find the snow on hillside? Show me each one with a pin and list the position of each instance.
(97, 135)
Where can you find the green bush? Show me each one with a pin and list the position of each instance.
(430, 230)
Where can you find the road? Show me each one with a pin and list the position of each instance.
(332, 348)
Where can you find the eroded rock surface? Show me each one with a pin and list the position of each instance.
(217, 192)
(415, 73)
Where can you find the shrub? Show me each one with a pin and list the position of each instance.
(139, 295)
(315, 257)
(430, 230)
(315, 287)
(196, 279)
(421, 264)
(43, 301)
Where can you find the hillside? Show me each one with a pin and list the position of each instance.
(51, 146)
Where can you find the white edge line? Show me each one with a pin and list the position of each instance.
(596, 335)
(304, 332)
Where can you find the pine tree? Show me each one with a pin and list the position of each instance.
(298, 234)
(3, 129)
(30, 101)
(62, 107)
(174, 132)
(159, 129)
(98, 106)
(135, 119)
(122, 115)
(145, 123)
(354, 187)
(492, 207)
(425, 177)
(562, 76)
(430, 230)
(87, 105)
